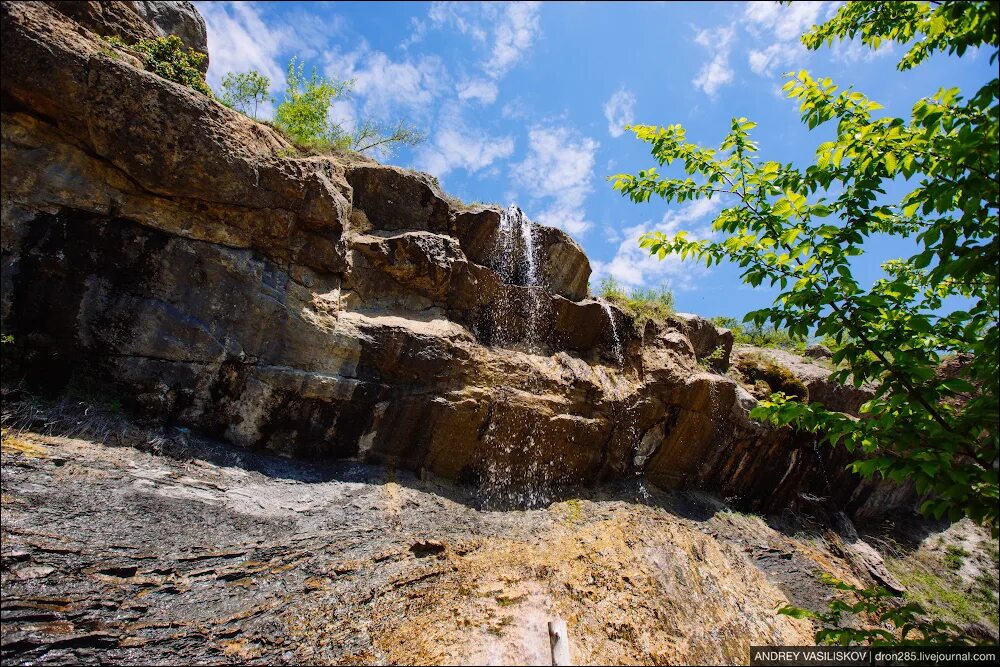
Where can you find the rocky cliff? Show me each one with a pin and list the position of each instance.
(391, 372)
(327, 307)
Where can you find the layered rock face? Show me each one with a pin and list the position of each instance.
(332, 307)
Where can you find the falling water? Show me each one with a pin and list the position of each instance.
(528, 243)
(517, 252)
(517, 264)
(515, 472)
(615, 338)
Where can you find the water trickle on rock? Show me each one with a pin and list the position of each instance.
(515, 472)
(528, 244)
(615, 337)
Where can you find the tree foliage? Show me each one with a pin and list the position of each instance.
(304, 110)
(373, 137)
(245, 91)
(802, 229)
(303, 115)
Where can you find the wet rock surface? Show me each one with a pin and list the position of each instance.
(116, 555)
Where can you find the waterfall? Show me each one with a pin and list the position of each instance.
(615, 338)
(517, 264)
(528, 243)
(517, 261)
(515, 470)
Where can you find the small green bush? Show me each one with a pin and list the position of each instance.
(897, 623)
(759, 336)
(769, 336)
(169, 58)
(642, 304)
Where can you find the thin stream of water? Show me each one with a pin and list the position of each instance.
(615, 337)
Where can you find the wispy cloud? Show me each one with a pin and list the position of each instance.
(854, 51)
(385, 86)
(620, 111)
(780, 54)
(557, 173)
(465, 17)
(507, 30)
(785, 22)
(783, 25)
(516, 31)
(633, 266)
(456, 145)
(239, 40)
(717, 72)
(484, 90)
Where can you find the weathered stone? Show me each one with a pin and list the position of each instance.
(711, 343)
(565, 267)
(176, 18)
(815, 377)
(818, 351)
(117, 19)
(395, 199)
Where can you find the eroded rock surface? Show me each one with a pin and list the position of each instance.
(328, 307)
(124, 556)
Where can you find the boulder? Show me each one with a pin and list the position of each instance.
(132, 21)
(818, 351)
(711, 344)
(788, 369)
(176, 18)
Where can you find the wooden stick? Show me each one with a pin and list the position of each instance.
(559, 641)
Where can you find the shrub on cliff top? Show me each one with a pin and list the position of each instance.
(303, 116)
(642, 304)
(303, 112)
(759, 335)
(169, 58)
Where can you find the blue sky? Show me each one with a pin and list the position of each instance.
(525, 102)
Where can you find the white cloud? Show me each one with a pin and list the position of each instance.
(462, 16)
(633, 266)
(777, 55)
(620, 111)
(344, 113)
(515, 109)
(715, 73)
(478, 89)
(239, 40)
(506, 30)
(559, 168)
(515, 32)
(785, 22)
(456, 145)
(385, 85)
(854, 52)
